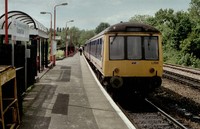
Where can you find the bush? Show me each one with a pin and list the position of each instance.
(60, 54)
(189, 60)
(175, 57)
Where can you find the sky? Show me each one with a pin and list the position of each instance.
(88, 14)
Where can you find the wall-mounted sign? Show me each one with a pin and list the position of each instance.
(54, 47)
(20, 31)
(28, 53)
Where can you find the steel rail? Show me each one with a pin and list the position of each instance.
(166, 115)
(183, 68)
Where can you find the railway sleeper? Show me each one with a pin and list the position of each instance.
(185, 81)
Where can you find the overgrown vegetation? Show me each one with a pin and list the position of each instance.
(181, 33)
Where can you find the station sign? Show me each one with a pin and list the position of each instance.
(20, 31)
(54, 47)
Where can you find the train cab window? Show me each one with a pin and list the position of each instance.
(134, 47)
(151, 48)
(116, 48)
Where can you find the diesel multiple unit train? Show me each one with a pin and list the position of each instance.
(127, 57)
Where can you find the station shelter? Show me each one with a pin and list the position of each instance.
(30, 57)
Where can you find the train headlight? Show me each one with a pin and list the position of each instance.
(116, 70)
(151, 70)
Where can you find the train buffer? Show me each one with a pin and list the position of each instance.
(68, 97)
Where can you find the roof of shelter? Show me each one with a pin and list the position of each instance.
(23, 17)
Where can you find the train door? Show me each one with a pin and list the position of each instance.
(102, 50)
(89, 47)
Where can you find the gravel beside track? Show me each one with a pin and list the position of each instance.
(185, 98)
(183, 90)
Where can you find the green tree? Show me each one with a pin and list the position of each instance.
(74, 33)
(194, 11)
(192, 43)
(164, 21)
(140, 18)
(58, 29)
(182, 28)
(85, 35)
(101, 27)
(164, 16)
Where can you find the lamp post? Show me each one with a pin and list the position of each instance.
(50, 33)
(55, 16)
(54, 36)
(6, 21)
(66, 46)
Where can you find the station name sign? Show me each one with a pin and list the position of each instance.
(20, 31)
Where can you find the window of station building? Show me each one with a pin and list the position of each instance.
(151, 48)
(134, 47)
(116, 47)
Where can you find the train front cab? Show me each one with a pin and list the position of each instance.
(139, 73)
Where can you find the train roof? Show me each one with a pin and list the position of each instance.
(128, 27)
(131, 27)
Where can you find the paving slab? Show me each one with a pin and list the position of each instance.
(67, 97)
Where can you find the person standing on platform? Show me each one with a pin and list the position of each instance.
(80, 50)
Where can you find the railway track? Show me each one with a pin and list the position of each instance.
(187, 76)
(182, 68)
(151, 117)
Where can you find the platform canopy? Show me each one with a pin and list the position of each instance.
(36, 28)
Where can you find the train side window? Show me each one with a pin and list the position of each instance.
(97, 53)
(116, 48)
(151, 48)
(95, 48)
(90, 48)
(102, 48)
(99, 49)
(134, 47)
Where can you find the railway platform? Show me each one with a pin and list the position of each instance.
(68, 97)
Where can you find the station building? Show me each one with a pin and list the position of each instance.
(30, 56)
